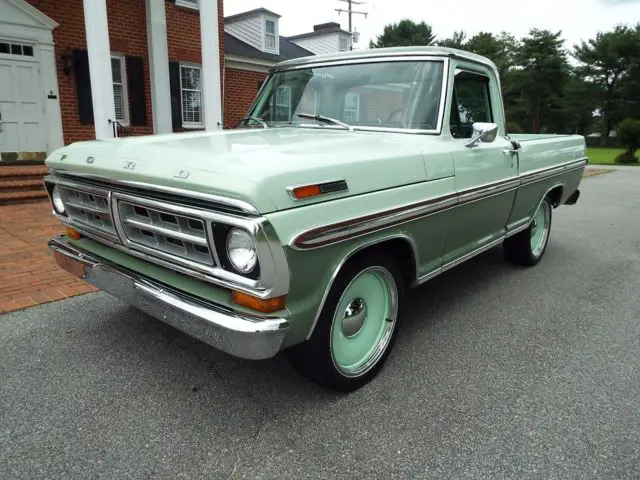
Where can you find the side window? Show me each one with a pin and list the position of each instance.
(470, 103)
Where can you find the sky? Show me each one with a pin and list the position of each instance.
(578, 19)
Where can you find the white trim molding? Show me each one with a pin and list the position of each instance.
(246, 63)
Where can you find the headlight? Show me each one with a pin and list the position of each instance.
(241, 250)
(58, 204)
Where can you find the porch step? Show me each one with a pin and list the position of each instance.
(22, 184)
(14, 198)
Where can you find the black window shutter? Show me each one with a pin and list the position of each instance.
(135, 87)
(176, 100)
(83, 86)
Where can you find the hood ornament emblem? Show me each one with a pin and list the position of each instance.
(182, 174)
(129, 165)
(91, 159)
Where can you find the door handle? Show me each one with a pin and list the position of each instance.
(509, 151)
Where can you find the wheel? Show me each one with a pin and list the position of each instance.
(527, 247)
(357, 326)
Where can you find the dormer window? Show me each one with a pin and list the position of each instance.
(270, 35)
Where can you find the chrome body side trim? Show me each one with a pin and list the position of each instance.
(239, 205)
(344, 260)
(477, 251)
(332, 233)
(239, 334)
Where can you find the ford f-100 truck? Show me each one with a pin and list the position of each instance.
(353, 177)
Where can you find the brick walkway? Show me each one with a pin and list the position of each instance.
(28, 274)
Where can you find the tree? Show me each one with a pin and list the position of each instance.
(404, 33)
(458, 40)
(607, 60)
(540, 75)
(629, 133)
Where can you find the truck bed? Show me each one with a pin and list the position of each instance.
(546, 150)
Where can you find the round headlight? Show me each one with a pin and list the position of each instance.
(58, 204)
(241, 250)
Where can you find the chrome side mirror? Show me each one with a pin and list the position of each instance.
(482, 132)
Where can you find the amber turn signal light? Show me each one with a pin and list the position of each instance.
(307, 191)
(265, 305)
(72, 233)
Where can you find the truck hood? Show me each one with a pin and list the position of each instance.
(254, 165)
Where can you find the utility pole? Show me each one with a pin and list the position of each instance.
(349, 11)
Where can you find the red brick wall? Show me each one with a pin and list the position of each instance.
(128, 36)
(240, 89)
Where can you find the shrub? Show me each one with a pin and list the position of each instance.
(626, 157)
(629, 134)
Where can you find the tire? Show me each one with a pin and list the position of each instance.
(527, 247)
(345, 355)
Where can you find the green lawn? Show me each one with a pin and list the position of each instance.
(604, 156)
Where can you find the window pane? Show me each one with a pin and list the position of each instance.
(271, 27)
(118, 100)
(379, 94)
(271, 42)
(16, 49)
(27, 50)
(116, 70)
(191, 102)
(4, 48)
(472, 99)
(191, 78)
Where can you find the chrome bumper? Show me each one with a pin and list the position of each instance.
(238, 334)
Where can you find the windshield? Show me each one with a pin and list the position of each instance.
(400, 94)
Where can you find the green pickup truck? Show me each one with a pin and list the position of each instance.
(353, 177)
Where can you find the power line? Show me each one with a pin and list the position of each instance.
(350, 12)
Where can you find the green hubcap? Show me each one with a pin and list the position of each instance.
(540, 228)
(363, 322)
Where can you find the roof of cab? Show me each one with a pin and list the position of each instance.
(384, 52)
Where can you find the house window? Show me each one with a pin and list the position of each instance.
(187, 3)
(344, 43)
(351, 107)
(269, 34)
(191, 95)
(283, 103)
(118, 75)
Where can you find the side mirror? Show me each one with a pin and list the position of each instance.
(482, 132)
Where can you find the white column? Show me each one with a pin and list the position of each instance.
(211, 101)
(97, 29)
(159, 66)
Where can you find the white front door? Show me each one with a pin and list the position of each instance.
(21, 99)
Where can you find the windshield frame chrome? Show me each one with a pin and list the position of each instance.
(445, 59)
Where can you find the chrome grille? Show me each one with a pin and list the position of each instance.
(164, 231)
(88, 207)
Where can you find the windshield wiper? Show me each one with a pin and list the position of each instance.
(322, 118)
(255, 119)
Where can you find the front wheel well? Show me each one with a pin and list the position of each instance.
(555, 195)
(400, 249)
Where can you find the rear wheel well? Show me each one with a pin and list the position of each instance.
(555, 195)
(399, 249)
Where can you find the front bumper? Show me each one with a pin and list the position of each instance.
(239, 334)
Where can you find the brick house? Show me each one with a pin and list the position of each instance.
(156, 74)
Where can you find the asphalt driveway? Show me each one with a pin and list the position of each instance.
(499, 372)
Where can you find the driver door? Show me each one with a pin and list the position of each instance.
(485, 176)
